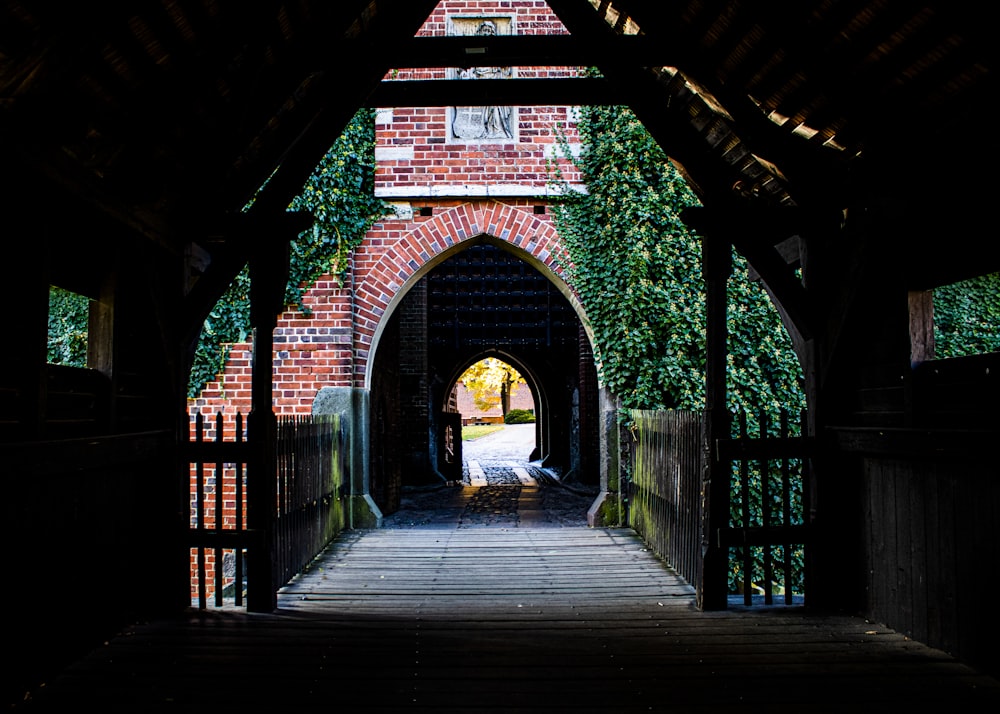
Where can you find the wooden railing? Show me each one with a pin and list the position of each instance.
(665, 486)
(311, 487)
(308, 512)
(218, 536)
(766, 532)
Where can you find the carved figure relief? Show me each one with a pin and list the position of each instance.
(482, 122)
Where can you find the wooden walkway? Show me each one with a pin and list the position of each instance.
(509, 620)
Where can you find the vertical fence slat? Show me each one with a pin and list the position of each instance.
(745, 515)
(309, 510)
(199, 511)
(786, 511)
(806, 487)
(219, 484)
(238, 526)
(765, 511)
(769, 517)
(665, 490)
(308, 483)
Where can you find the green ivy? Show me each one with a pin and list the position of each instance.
(69, 315)
(226, 324)
(340, 194)
(967, 317)
(637, 269)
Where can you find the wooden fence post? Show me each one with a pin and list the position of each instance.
(712, 590)
(268, 276)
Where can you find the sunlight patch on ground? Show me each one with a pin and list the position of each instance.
(474, 431)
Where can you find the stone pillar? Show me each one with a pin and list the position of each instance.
(607, 507)
(352, 405)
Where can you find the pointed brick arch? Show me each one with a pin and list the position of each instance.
(383, 275)
(333, 346)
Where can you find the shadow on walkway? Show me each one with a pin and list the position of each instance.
(500, 488)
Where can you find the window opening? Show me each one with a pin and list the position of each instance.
(967, 317)
(69, 322)
(956, 320)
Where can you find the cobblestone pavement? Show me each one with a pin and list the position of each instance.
(503, 497)
(500, 488)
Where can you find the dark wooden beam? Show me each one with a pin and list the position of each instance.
(523, 51)
(712, 589)
(579, 91)
(925, 444)
(772, 535)
(759, 234)
(281, 158)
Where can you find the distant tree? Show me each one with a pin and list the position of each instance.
(492, 382)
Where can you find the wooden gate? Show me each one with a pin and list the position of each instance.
(765, 533)
(308, 512)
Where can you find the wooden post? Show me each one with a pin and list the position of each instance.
(712, 590)
(268, 277)
(24, 289)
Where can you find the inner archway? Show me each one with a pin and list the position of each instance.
(483, 300)
(497, 408)
(487, 302)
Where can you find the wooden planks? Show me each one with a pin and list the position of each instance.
(447, 619)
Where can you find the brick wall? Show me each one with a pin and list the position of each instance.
(446, 193)
(418, 155)
(443, 190)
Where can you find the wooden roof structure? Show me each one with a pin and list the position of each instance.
(171, 115)
(844, 147)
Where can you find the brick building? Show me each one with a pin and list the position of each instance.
(465, 266)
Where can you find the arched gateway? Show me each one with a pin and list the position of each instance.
(412, 336)
(366, 349)
(383, 276)
(373, 349)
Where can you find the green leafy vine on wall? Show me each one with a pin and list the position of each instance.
(68, 321)
(967, 317)
(637, 269)
(340, 194)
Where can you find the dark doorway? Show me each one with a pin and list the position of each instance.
(482, 301)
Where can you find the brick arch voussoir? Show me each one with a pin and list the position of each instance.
(413, 255)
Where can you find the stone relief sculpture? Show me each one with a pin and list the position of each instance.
(483, 122)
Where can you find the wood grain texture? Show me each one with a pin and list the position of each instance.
(509, 620)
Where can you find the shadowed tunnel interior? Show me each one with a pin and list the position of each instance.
(482, 301)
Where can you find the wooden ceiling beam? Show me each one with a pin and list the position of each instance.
(580, 91)
(522, 51)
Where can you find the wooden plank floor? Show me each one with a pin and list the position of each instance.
(519, 619)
